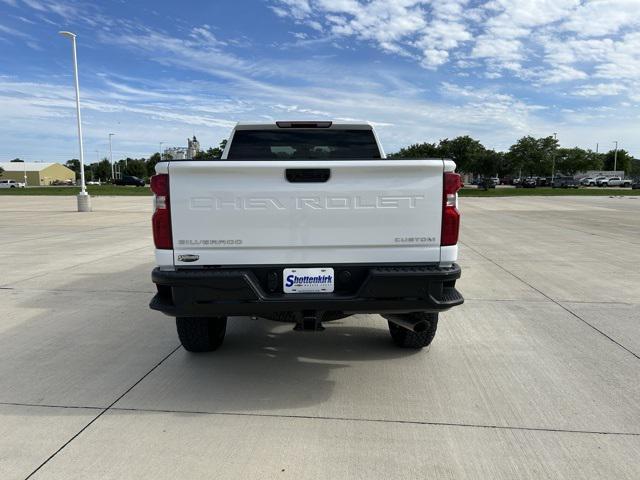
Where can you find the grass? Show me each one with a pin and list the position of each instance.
(546, 192)
(93, 190)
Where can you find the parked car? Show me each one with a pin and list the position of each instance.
(565, 182)
(129, 180)
(496, 180)
(205, 278)
(588, 181)
(64, 182)
(94, 182)
(636, 184)
(615, 182)
(599, 180)
(529, 182)
(487, 183)
(11, 184)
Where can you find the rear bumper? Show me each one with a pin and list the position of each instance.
(239, 291)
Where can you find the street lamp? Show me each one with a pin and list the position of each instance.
(161, 150)
(84, 201)
(113, 174)
(615, 156)
(553, 168)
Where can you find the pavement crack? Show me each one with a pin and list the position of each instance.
(567, 309)
(105, 410)
(381, 420)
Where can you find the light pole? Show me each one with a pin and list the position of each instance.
(615, 156)
(24, 164)
(553, 167)
(161, 150)
(84, 201)
(113, 174)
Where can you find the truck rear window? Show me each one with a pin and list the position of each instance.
(303, 144)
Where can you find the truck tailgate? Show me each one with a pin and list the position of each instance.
(248, 212)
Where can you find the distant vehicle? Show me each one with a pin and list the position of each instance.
(129, 180)
(58, 182)
(11, 184)
(486, 183)
(599, 180)
(529, 182)
(615, 182)
(508, 180)
(588, 181)
(565, 182)
(496, 180)
(544, 181)
(636, 184)
(94, 182)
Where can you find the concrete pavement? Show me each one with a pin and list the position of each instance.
(536, 376)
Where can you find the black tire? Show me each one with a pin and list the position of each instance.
(408, 339)
(199, 334)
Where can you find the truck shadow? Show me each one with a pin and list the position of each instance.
(93, 336)
(266, 366)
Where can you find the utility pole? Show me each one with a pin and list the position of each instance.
(615, 157)
(113, 171)
(161, 150)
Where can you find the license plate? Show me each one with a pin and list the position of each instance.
(307, 280)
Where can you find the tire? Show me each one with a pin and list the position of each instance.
(200, 334)
(408, 339)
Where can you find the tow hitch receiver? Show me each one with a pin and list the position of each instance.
(309, 320)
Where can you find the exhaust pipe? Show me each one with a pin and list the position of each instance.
(409, 322)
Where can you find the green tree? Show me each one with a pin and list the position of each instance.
(1, 171)
(623, 162)
(151, 164)
(102, 170)
(74, 164)
(573, 160)
(533, 156)
(17, 160)
(136, 168)
(418, 150)
(469, 154)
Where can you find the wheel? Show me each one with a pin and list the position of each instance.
(408, 339)
(200, 334)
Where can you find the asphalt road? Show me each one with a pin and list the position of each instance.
(536, 376)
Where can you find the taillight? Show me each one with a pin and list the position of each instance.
(161, 219)
(450, 213)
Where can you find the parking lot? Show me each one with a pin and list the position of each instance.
(536, 376)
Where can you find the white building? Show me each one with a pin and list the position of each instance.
(175, 153)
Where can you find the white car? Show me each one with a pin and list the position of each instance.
(11, 184)
(94, 182)
(305, 222)
(615, 182)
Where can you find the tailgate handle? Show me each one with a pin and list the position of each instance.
(308, 175)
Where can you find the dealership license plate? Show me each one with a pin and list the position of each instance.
(307, 280)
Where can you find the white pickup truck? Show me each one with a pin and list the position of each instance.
(305, 222)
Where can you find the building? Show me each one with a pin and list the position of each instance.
(175, 153)
(37, 173)
(193, 147)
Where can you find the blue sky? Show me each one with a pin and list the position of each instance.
(155, 72)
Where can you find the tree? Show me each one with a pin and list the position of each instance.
(74, 164)
(623, 162)
(210, 154)
(467, 153)
(17, 160)
(573, 160)
(151, 164)
(533, 156)
(102, 170)
(418, 150)
(1, 171)
(135, 168)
